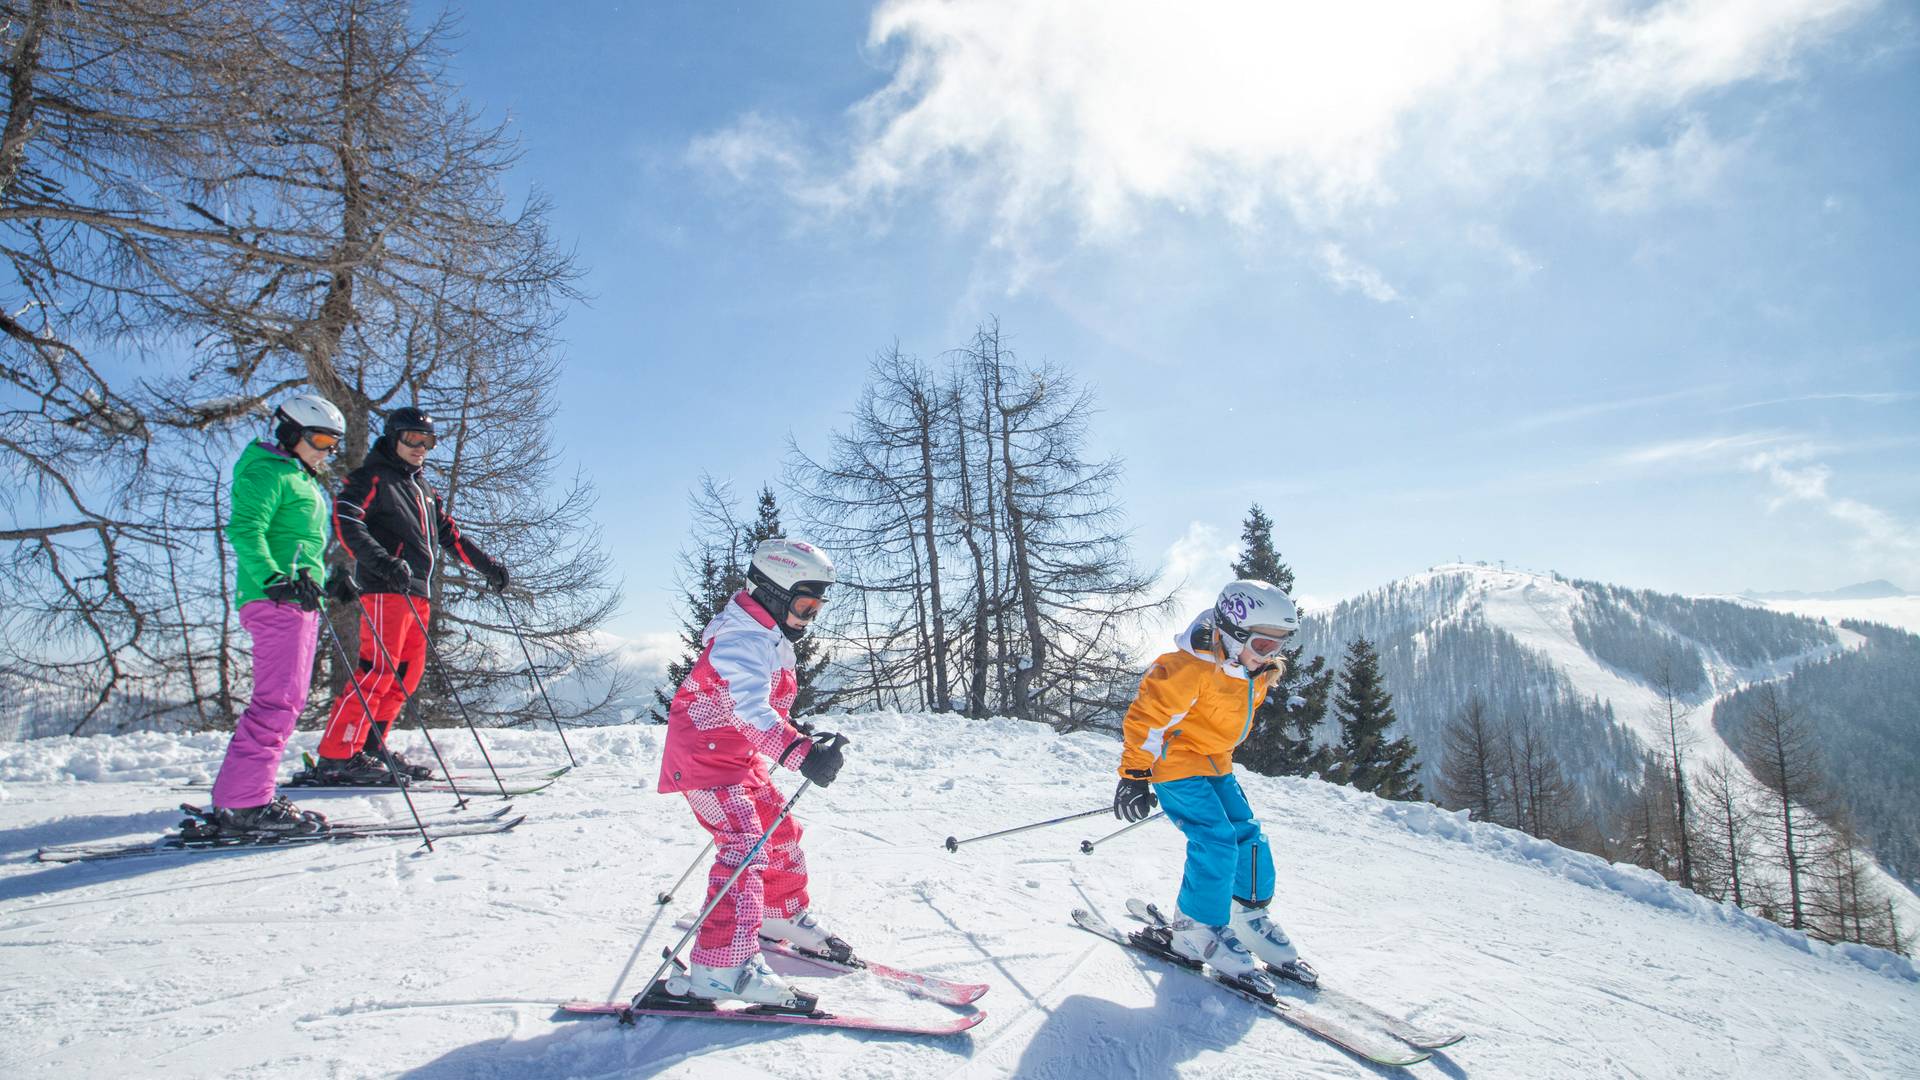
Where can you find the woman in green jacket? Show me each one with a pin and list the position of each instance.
(278, 529)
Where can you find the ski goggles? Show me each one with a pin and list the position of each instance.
(805, 605)
(322, 440)
(419, 440)
(1268, 643)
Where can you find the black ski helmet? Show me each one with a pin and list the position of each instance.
(408, 418)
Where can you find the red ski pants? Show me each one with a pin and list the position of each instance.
(776, 879)
(386, 686)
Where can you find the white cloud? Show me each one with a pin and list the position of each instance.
(1345, 272)
(1684, 169)
(1573, 413)
(1071, 120)
(1197, 564)
(1879, 538)
(1712, 448)
(1890, 397)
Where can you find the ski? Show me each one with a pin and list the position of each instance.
(1407, 1031)
(752, 1014)
(476, 785)
(175, 843)
(930, 987)
(1328, 1028)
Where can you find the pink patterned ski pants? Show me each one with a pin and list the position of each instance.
(776, 879)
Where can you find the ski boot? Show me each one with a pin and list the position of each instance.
(407, 769)
(803, 931)
(380, 751)
(700, 986)
(1218, 948)
(360, 770)
(1253, 924)
(277, 818)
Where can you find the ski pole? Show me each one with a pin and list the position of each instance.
(954, 845)
(339, 647)
(1087, 846)
(433, 655)
(697, 860)
(667, 955)
(534, 670)
(460, 801)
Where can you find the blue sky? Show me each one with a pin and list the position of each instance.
(1626, 290)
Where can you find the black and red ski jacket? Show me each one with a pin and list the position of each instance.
(389, 519)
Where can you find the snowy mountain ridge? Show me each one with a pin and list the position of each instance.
(372, 958)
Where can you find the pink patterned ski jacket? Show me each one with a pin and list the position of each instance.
(734, 703)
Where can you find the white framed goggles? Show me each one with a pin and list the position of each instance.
(1267, 643)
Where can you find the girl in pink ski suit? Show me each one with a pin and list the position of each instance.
(728, 720)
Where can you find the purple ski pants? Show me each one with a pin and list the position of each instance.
(285, 639)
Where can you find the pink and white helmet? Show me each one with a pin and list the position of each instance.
(792, 566)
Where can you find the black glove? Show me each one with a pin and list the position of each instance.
(496, 576)
(1134, 798)
(341, 589)
(282, 589)
(823, 762)
(392, 572)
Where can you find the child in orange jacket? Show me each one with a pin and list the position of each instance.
(1194, 706)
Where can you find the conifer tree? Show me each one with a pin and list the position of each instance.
(712, 571)
(1282, 740)
(1366, 757)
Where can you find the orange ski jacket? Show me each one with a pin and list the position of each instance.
(1193, 707)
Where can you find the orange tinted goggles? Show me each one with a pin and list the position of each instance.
(323, 440)
(1266, 644)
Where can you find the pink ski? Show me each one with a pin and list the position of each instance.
(931, 987)
(627, 1012)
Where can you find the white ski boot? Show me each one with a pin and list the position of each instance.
(1255, 928)
(1219, 949)
(804, 931)
(752, 982)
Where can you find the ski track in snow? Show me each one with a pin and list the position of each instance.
(372, 958)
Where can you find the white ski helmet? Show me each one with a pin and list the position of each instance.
(788, 565)
(1250, 609)
(784, 568)
(311, 411)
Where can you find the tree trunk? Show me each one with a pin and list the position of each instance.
(926, 418)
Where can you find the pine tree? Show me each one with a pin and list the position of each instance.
(1366, 757)
(1258, 559)
(1282, 740)
(712, 572)
(702, 596)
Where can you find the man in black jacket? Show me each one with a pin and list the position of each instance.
(389, 519)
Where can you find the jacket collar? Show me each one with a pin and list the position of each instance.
(752, 607)
(1202, 628)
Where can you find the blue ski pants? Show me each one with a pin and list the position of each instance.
(1227, 856)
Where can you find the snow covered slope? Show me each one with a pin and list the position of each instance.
(373, 959)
